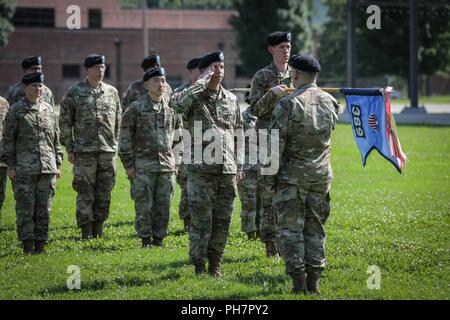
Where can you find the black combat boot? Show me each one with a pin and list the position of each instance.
(97, 229)
(86, 231)
(157, 241)
(313, 280)
(200, 269)
(39, 246)
(28, 246)
(299, 283)
(146, 242)
(271, 249)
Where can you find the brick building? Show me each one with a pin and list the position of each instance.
(176, 35)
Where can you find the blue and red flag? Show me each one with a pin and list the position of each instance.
(373, 124)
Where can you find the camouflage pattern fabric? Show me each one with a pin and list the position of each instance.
(17, 93)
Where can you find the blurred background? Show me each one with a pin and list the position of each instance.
(410, 50)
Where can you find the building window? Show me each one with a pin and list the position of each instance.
(95, 18)
(34, 17)
(71, 71)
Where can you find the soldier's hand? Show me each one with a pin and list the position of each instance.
(206, 75)
(11, 174)
(71, 157)
(280, 90)
(240, 176)
(131, 173)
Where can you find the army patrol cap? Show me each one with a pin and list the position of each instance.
(31, 61)
(154, 72)
(193, 63)
(33, 78)
(93, 60)
(151, 62)
(210, 58)
(277, 37)
(305, 63)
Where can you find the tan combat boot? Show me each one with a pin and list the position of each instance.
(97, 229)
(28, 246)
(299, 283)
(313, 280)
(214, 267)
(252, 235)
(39, 246)
(271, 249)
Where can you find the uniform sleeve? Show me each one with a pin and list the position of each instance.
(280, 122)
(185, 101)
(240, 145)
(130, 96)
(118, 116)
(10, 131)
(126, 138)
(9, 96)
(67, 121)
(58, 150)
(261, 100)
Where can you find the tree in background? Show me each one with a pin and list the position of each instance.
(256, 19)
(386, 51)
(7, 8)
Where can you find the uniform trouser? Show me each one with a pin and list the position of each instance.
(33, 194)
(3, 180)
(266, 212)
(152, 194)
(301, 213)
(247, 196)
(94, 177)
(183, 207)
(211, 198)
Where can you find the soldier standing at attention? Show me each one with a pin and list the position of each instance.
(183, 207)
(268, 86)
(305, 120)
(247, 187)
(17, 92)
(138, 89)
(90, 123)
(33, 156)
(206, 105)
(146, 138)
(4, 107)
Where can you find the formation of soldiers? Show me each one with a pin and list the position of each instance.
(287, 210)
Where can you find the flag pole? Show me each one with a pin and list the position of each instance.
(289, 90)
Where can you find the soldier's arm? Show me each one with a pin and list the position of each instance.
(239, 132)
(56, 143)
(10, 131)
(183, 102)
(118, 116)
(126, 138)
(261, 100)
(9, 96)
(67, 121)
(280, 122)
(130, 96)
(52, 100)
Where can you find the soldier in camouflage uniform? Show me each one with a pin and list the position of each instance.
(183, 207)
(247, 186)
(305, 120)
(137, 89)
(33, 155)
(146, 139)
(90, 122)
(268, 86)
(16, 92)
(4, 107)
(211, 184)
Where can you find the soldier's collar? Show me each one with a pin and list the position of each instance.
(278, 73)
(100, 87)
(308, 85)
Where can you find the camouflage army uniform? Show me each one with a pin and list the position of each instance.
(4, 107)
(90, 124)
(183, 207)
(146, 139)
(31, 148)
(137, 89)
(16, 93)
(211, 187)
(247, 186)
(262, 103)
(301, 202)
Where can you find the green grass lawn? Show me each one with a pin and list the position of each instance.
(399, 223)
